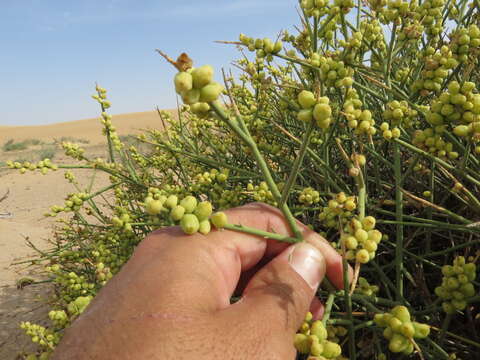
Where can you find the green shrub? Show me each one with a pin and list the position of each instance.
(365, 127)
(11, 145)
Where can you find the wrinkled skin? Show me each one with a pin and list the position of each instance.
(171, 299)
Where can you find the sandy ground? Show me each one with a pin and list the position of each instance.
(30, 196)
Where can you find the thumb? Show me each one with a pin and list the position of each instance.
(277, 298)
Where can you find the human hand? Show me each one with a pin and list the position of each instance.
(171, 300)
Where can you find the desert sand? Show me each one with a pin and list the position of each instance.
(21, 216)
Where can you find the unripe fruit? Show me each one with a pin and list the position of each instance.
(461, 130)
(398, 343)
(305, 115)
(331, 350)
(361, 235)
(407, 330)
(183, 82)
(202, 76)
(189, 224)
(368, 223)
(204, 227)
(301, 343)
(321, 112)
(219, 219)
(401, 312)
(210, 92)
(203, 210)
(177, 213)
(171, 201)
(421, 330)
(191, 97)
(362, 256)
(189, 203)
(319, 330)
(306, 99)
(153, 207)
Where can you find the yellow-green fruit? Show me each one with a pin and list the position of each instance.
(202, 76)
(183, 82)
(219, 219)
(171, 201)
(189, 224)
(362, 256)
(407, 330)
(401, 312)
(205, 227)
(200, 108)
(318, 329)
(397, 343)
(189, 203)
(305, 115)
(203, 210)
(191, 96)
(153, 207)
(316, 348)
(210, 92)
(395, 324)
(421, 330)
(177, 213)
(331, 350)
(322, 112)
(306, 99)
(301, 343)
(368, 223)
(461, 130)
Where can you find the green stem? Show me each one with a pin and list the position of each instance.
(399, 219)
(298, 162)
(246, 137)
(264, 234)
(328, 308)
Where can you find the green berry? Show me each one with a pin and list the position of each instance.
(177, 212)
(219, 219)
(306, 99)
(183, 82)
(321, 112)
(203, 210)
(189, 203)
(153, 207)
(189, 224)
(210, 92)
(202, 76)
(204, 227)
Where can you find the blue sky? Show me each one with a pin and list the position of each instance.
(53, 51)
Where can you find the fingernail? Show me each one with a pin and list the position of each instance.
(309, 263)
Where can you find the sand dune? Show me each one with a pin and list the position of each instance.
(90, 129)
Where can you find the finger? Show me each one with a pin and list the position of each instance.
(280, 294)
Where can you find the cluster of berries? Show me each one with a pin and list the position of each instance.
(309, 196)
(361, 239)
(466, 42)
(59, 318)
(197, 88)
(261, 193)
(313, 108)
(312, 339)
(339, 208)
(361, 121)
(73, 203)
(457, 286)
(437, 66)
(400, 114)
(75, 285)
(334, 73)
(433, 143)
(43, 165)
(42, 336)
(264, 47)
(400, 330)
(78, 306)
(315, 8)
